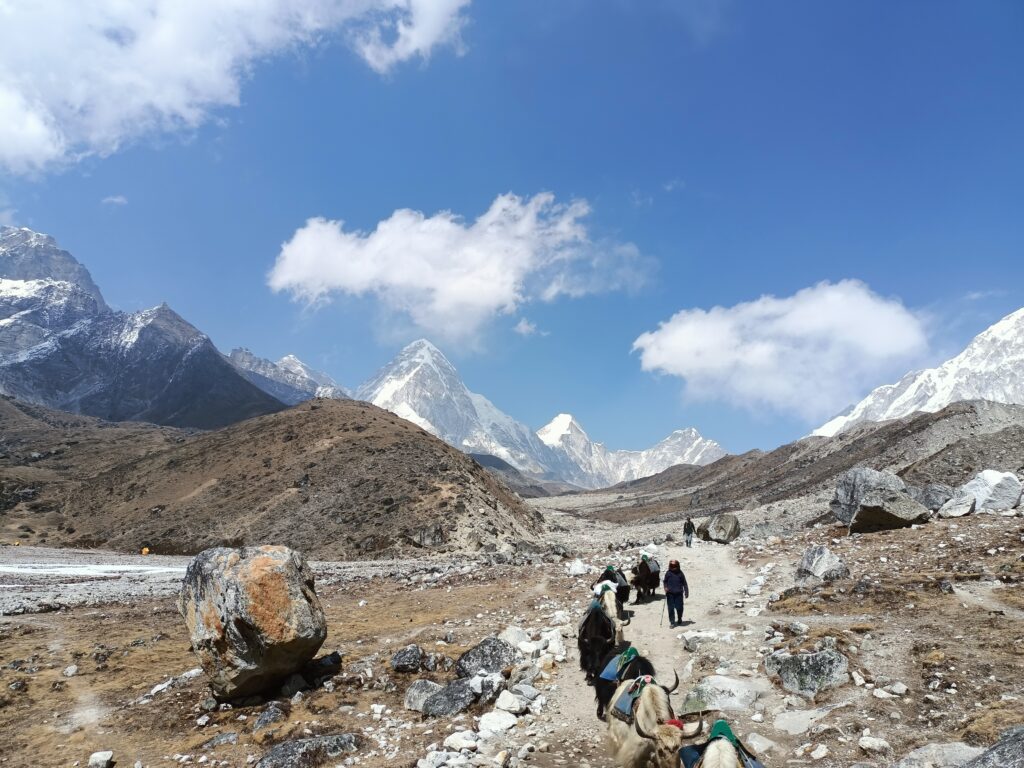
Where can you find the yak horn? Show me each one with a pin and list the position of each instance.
(676, 685)
(636, 725)
(697, 730)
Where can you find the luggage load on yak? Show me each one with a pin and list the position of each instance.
(613, 575)
(595, 639)
(646, 577)
(721, 750)
(623, 663)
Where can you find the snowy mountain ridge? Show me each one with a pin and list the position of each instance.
(289, 379)
(991, 367)
(683, 446)
(422, 386)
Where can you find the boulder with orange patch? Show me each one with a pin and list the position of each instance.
(253, 617)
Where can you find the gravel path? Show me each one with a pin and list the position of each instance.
(714, 578)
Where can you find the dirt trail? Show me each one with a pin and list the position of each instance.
(714, 577)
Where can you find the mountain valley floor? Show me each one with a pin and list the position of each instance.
(85, 657)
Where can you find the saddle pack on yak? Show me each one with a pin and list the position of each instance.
(613, 671)
(693, 756)
(626, 703)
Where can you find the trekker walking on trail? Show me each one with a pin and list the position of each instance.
(676, 589)
(688, 530)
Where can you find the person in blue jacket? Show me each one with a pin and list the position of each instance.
(676, 589)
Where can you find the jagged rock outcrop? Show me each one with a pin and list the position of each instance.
(723, 528)
(854, 484)
(253, 617)
(881, 510)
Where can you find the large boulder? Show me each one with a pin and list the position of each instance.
(723, 528)
(457, 696)
(884, 510)
(822, 563)
(309, 753)
(951, 755)
(253, 617)
(959, 504)
(854, 484)
(1008, 752)
(807, 674)
(996, 491)
(724, 694)
(491, 655)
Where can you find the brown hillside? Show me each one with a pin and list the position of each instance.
(335, 479)
(41, 450)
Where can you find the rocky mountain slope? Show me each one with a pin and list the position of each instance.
(61, 346)
(421, 385)
(333, 478)
(684, 446)
(949, 446)
(990, 368)
(289, 379)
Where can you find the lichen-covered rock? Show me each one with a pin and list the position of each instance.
(253, 617)
(881, 510)
(807, 674)
(996, 491)
(457, 696)
(408, 659)
(822, 563)
(418, 693)
(854, 484)
(722, 528)
(310, 753)
(490, 655)
(1008, 752)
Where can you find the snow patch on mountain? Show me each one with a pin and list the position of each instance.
(990, 368)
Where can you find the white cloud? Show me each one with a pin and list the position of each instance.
(809, 354)
(7, 217)
(115, 200)
(83, 78)
(527, 328)
(673, 184)
(450, 277)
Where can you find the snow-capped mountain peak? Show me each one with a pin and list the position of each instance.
(29, 255)
(560, 428)
(990, 368)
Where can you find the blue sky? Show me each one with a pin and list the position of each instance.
(725, 151)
